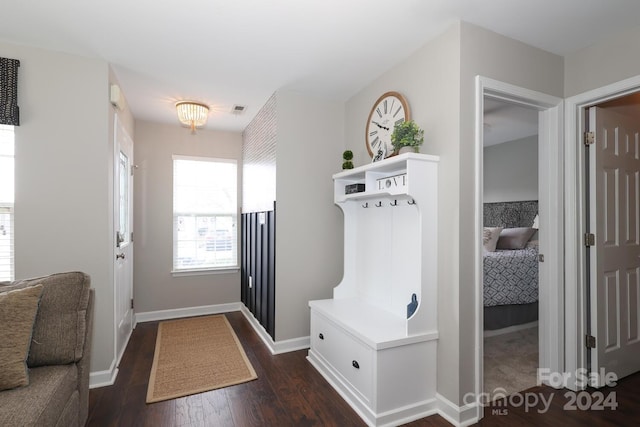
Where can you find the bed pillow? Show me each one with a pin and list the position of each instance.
(18, 311)
(490, 237)
(515, 238)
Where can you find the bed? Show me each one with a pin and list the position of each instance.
(510, 275)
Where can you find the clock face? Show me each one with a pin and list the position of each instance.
(390, 109)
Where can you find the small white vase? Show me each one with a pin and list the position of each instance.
(407, 149)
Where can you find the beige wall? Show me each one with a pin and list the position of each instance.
(63, 210)
(309, 241)
(439, 83)
(511, 171)
(488, 54)
(608, 61)
(154, 286)
(429, 81)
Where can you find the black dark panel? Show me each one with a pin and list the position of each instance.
(258, 264)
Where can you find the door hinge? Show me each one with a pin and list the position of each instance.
(132, 303)
(589, 138)
(133, 167)
(589, 239)
(540, 258)
(590, 341)
(131, 240)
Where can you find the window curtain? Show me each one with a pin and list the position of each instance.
(9, 112)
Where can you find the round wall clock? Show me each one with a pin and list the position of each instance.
(390, 109)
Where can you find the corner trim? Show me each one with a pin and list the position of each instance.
(177, 313)
(103, 378)
(460, 416)
(275, 347)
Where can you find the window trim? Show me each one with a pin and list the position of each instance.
(199, 271)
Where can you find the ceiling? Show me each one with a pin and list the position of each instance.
(239, 52)
(504, 122)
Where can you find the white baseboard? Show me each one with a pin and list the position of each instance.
(177, 313)
(104, 378)
(275, 347)
(460, 416)
(509, 329)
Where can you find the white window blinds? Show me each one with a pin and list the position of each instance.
(6, 202)
(205, 212)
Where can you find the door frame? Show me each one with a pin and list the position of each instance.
(575, 251)
(118, 126)
(550, 161)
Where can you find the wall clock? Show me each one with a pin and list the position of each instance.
(391, 108)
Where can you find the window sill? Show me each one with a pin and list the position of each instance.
(205, 271)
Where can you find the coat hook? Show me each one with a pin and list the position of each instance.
(395, 203)
(366, 205)
(412, 202)
(379, 204)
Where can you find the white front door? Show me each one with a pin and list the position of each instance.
(614, 261)
(123, 219)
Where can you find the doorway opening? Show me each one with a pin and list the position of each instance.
(550, 223)
(510, 247)
(613, 291)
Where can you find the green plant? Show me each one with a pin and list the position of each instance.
(347, 156)
(407, 134)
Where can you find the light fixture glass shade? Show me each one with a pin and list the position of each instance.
(192, 114)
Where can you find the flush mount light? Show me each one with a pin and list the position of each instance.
(192, 114)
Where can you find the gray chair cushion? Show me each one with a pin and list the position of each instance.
(40, 403)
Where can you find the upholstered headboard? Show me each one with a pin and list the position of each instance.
(510, 214)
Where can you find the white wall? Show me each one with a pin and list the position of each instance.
(608, 61)
(63, 210)
(511, 171)
(309, 240)
(154, 286)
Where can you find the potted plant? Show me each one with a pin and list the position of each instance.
(347, 156)
(407, 134)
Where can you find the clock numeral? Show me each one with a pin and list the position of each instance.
(392, 104)
(397, 111)
(385, 106)
(399, 121)
(375, 142)
(372, 133)
(379, 112)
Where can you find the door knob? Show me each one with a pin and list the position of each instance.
(120, 256)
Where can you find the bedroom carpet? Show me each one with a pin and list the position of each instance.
(511, 361)
(194, 355)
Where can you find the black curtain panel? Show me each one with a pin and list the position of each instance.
(9, 111)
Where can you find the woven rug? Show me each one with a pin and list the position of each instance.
(195, 355)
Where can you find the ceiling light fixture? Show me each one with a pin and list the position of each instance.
(192, 114)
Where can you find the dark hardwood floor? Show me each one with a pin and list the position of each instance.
(289, 392)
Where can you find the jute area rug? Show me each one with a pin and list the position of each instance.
(195, 355)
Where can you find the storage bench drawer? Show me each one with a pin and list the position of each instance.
(351, 359)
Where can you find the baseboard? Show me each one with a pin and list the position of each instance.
(509, 329)
(177, 313)
(275, 347)
(460, 416)
(104, 378)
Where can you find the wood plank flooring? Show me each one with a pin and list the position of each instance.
(290, 392)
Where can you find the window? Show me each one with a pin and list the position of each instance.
(6, 202)
(205, 212)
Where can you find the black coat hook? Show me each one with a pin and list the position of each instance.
(366, 205)
(412, 202)
(379, 204)
(394, 203)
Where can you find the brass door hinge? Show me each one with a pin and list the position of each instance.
(589, 138)
(589, 239)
